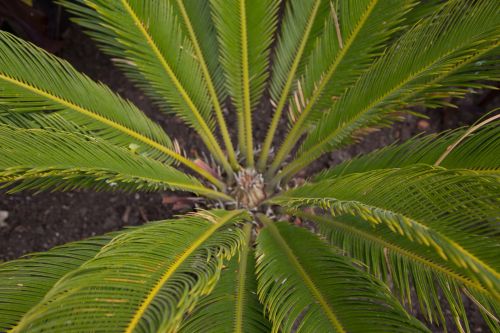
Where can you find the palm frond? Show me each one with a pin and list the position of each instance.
(479, 152)
(245, 30)
(301, 26)
(454, 212)
(354, 34)
(24, 282)
(304, 284)
(197, 16)
(143, 280)
(197, 22)
(347, 48)
(33, 81)
(408, 266)
(441, 49)
(147, 41)
(233, 305)
(43, 159)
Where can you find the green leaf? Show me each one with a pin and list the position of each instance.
(304, 284)
(301, 26)
(42, 159)
(365, 26)
(33, 81)
(198, 25)
(408, 266)
(233, 305)
(143, 280)
(199, 17)
(479, 151)
(245, 30)
(148, 42)
(423, 59)
(354, 34)
(24, 282)
(454, 212)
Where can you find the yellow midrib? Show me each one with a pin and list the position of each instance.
(212, 142)
(322, 302)
(173, 268)
(241, 276)
(90, 114)
(247, 111)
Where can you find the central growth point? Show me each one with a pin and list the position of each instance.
(250, 188)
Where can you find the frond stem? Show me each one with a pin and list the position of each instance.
(465, 135)
(247, 111)
(52, 171)
(241, 279)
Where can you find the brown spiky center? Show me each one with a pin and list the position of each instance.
(250, 188)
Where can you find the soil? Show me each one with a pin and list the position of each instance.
(37, 222)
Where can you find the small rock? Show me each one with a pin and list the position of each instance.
(3, 216)
(423, 125)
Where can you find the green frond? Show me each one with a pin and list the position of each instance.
(33, 81)
(197, 22)
(43, 159)
(199, 19)
(436, 50)
(354, 34)
(304, 284)
(233, 305)
(245, 30)
(407, 266)
(24, 282)
(143, 280)
(479, 151)
(365, 27)
(453, 212)
(301, 26)
(147, 41)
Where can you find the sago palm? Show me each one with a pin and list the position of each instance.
(408, 226)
